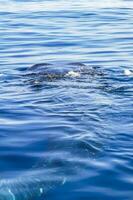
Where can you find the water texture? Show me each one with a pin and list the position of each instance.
(66, 138)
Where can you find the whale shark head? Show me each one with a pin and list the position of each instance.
(43, 73)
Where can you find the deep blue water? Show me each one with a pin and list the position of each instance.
(67, 138)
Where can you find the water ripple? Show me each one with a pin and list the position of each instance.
(67, 137)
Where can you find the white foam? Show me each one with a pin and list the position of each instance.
(128, 72)
(73, 74)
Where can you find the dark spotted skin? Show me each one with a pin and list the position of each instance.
(52, 71)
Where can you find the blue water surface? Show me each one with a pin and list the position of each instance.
(67, 138)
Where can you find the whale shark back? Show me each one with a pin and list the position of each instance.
(52, 71)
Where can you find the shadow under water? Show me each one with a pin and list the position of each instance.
(54, 169)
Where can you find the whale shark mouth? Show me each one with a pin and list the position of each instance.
(51, 171)
(30, 185)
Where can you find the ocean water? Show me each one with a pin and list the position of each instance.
(66, 138)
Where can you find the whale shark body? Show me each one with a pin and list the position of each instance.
(34, 184)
